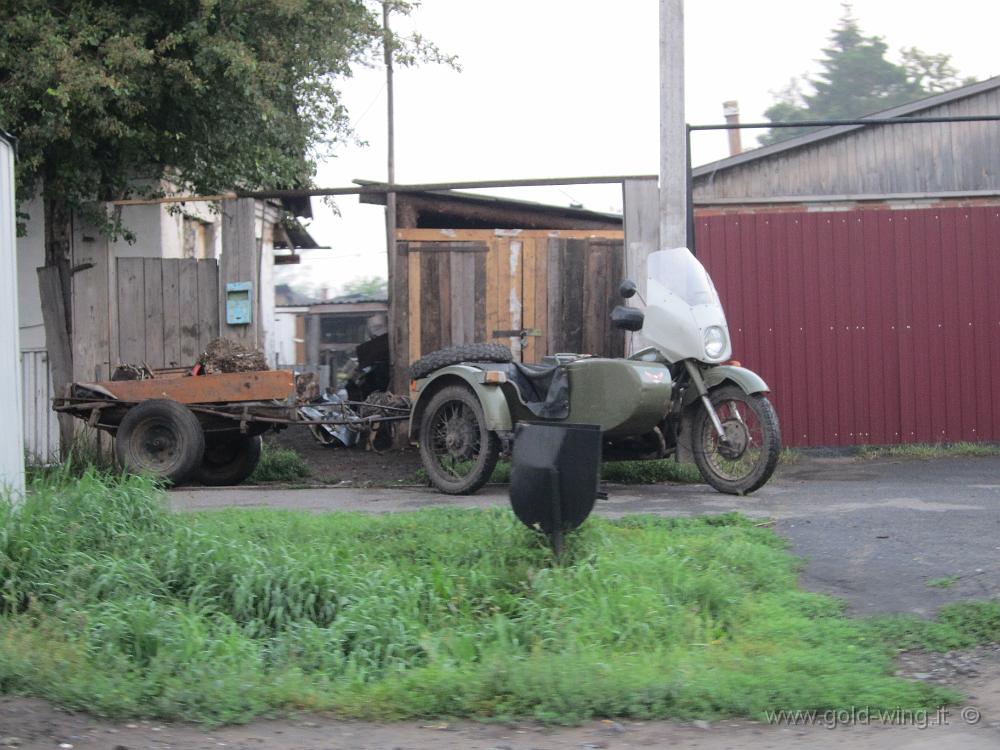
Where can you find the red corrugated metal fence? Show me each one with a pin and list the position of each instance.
(870, 326)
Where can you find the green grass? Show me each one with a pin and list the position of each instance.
(927, 451)
(958, 625)
(622, 472)
(110, 603)
(279, 465)
(943, 583)
(650, 472)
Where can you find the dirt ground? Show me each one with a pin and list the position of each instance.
(349, 466)
(32, 724)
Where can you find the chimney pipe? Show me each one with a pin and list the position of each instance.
(731, 110)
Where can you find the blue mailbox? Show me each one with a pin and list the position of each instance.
(239, 311)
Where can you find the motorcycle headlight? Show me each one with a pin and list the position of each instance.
(715, 341)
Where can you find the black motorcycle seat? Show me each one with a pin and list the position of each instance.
(533, 381)
(544, 388)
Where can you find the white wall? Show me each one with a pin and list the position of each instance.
(30, 256)
(144, 222)
(284, 335)
(12, 445)
(265, 234)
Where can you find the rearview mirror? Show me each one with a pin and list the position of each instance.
(627, 289)
(627, 318)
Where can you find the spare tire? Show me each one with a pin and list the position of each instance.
(454, 355)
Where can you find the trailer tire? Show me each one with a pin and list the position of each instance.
(229, 459)
(162, 438)
(454, 355)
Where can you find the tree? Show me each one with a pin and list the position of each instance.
(369, 286)
(856, 79)
(109, 98)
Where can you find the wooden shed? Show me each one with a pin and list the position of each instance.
(859, 266)
(471, 268)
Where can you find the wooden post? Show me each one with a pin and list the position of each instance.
(673, 134)
(396, 316)
(312, 339)
(240, 262)
(57, 344)
(641, 202)
(91, 258)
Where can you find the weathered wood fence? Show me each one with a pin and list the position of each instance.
(168, 310)
(466, 286)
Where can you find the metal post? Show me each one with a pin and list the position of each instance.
(673, 159)
(689, 190)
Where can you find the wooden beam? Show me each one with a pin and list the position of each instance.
(488, 235)
(57, 345)
(240, 262)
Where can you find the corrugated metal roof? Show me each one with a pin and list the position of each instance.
(903, 110)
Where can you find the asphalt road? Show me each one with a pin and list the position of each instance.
(872, 532)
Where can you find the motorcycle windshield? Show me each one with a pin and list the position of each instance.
(680, 272)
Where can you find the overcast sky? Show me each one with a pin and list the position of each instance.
(561, 88)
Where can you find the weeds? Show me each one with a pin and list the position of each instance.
(943, 583)
(958, 625)
(109, 603)
(928, 451)
(650, 472)
(622, 472)
(279, 465)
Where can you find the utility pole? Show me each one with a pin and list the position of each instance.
(396, 381)
(673, 133)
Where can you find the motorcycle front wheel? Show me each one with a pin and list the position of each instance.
(745, 460)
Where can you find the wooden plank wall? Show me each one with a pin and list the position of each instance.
(467, 286)
(168, 310)
(876, 160)
(870, 326)
(41, 427)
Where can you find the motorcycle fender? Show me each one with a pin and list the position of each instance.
(491, 397)
(746, 379)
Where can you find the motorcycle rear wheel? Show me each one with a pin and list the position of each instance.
(457, 450)
(751, 455)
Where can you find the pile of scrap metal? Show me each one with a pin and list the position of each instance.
(333, 419)
(369, 423)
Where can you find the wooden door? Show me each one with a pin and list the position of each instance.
(538, 292)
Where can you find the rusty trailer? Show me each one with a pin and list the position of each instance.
(179, 427)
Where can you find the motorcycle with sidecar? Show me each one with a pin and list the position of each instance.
(678, 395)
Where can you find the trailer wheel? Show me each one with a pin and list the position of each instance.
(229, 459)
(160, 437)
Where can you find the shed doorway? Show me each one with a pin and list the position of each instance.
(537, 291)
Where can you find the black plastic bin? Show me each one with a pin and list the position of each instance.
(554, 474)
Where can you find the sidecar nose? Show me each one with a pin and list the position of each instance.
(554, 474)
